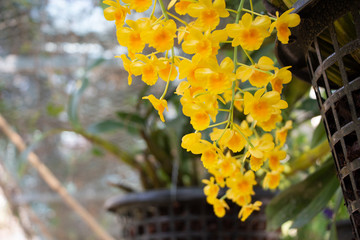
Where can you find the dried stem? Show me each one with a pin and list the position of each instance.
(53, 182)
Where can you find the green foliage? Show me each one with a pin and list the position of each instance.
(76, 96)
(97, 152)
(104, 127)
(54, 110)
(281, 5)
(318, 203)
(128, 121)
(338, 200)
(302, 201)
(315, 230)
(161, 153)
(319, 135)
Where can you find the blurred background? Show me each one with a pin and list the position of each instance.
(48, 48)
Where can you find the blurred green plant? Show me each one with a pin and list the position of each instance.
(158, 163)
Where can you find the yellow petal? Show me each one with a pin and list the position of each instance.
(246, 20)
(266, 63)
(171, 4)
(233, 29)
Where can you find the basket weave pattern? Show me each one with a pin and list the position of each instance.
(340, 110)
(188, 217)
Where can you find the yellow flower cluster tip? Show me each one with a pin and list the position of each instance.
(238, 155)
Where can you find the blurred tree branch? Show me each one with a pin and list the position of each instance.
(53, 182)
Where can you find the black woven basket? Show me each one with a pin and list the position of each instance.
(161, 215)
(324, 51)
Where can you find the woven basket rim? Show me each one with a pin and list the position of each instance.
(159, 196)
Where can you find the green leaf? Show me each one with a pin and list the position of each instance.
(315, 229)
(132, 118)
(103, 5)
(298, 198)
(318, 203)
(295, 91)
(74, 102)
(94, 64)
(310, 105)
(338, 200)
(105, 126)
(333, 232)
(54, 110)
(279, 4)
(75, 97)
(319, 135)
(97, 152)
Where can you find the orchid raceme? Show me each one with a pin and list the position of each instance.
(239, 154)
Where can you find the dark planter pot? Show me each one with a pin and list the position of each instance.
(327, 57)
(162, 215)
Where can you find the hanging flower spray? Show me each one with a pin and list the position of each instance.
(234, 151)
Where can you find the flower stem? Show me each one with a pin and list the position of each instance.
(231, 10)
(252, 8)
(247, 54)
(254, 68)
(183, 58)
(165, 13)
(231, 117)
(168, 81)
(153, 10)
(163, 9)
(175, 17)
(258, 14)
(247, 89)
(242, 134)
(217, 124)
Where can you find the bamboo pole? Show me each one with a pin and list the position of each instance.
(53, 182)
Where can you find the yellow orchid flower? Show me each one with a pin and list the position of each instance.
(282, 24)
(246, 210)
(159, 104)
(248, 33)
(161, 36)
(282, 76)
(208, 13)
(116, 12)
(257, 78)
(139, 5)
(262, 105)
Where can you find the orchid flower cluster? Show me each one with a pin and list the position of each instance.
(234, 153)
